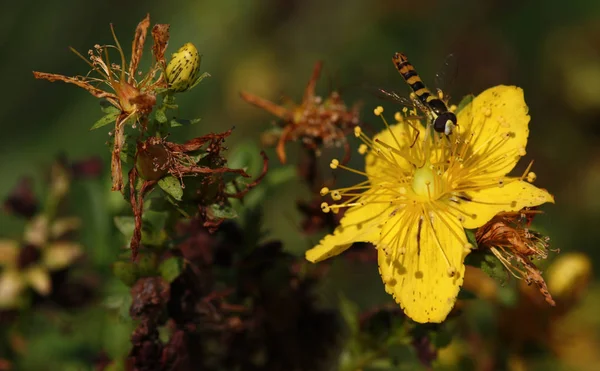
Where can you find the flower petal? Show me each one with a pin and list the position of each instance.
(359, 224)
(9, 252)
(496, 125)
(513, 196)
(11, 287)
(59, 254)
(39, 278)
(396, 137)
(413, 265)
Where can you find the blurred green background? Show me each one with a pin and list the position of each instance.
(550, 48)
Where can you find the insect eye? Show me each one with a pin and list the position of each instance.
(444, 123)
(439, 124)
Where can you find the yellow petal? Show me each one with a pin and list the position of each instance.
(513, 196)
(9, 252)
(39, 279)
(60, 254)
(396, 137)
(36, 232)
(497, 115)
(11, 287)
(359, 224)
(420, 279)
(64, 225)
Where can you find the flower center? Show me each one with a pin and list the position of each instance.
(425, 183)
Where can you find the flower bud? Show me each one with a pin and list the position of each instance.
(152, 159)
(183, 69)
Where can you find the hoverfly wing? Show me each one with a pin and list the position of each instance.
(391, 96)
(447, 73)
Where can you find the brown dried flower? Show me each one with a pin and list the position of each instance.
(156, 158)
(315, 121)
(134, 98)
(509, 238)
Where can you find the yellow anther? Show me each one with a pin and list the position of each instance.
(453, 108)
(325, 207)
(398, 116)
(531, 177)
(357, 131)
(335, 210)
(336, 196)
(334, 164)
(324, 191)
(404, 110)
(378, 110)
(522, 151)
(362, 149)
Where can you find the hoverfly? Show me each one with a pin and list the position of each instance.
(434, 106)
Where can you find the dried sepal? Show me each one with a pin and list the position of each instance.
(509, 238)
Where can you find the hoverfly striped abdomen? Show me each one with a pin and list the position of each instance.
(441, 117)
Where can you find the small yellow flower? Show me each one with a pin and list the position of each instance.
(29, 264)
(417, 200)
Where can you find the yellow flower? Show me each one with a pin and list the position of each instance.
(29, 264)
(416, 201)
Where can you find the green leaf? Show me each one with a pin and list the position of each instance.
(128, 149)
(170, 269)
(465, 102)
(281, 175)
(126, 225)
(183, 122)
(160, 116)
(153, 227)
(442, 336)
(223, 211)
(246, 155)
(147, 264)
(126, 272)
(350, 312)
(107, 107)
(508, 296)
(489, 264)
(107, 119)
(171, 186)
(471, 237)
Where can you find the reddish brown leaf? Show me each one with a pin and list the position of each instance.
(137, 47)
(160, 34)
(268, 106)
(112, 98)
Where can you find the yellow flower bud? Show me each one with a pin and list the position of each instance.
(183, 70)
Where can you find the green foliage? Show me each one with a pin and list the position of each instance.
(170, 269)
(109, 118)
